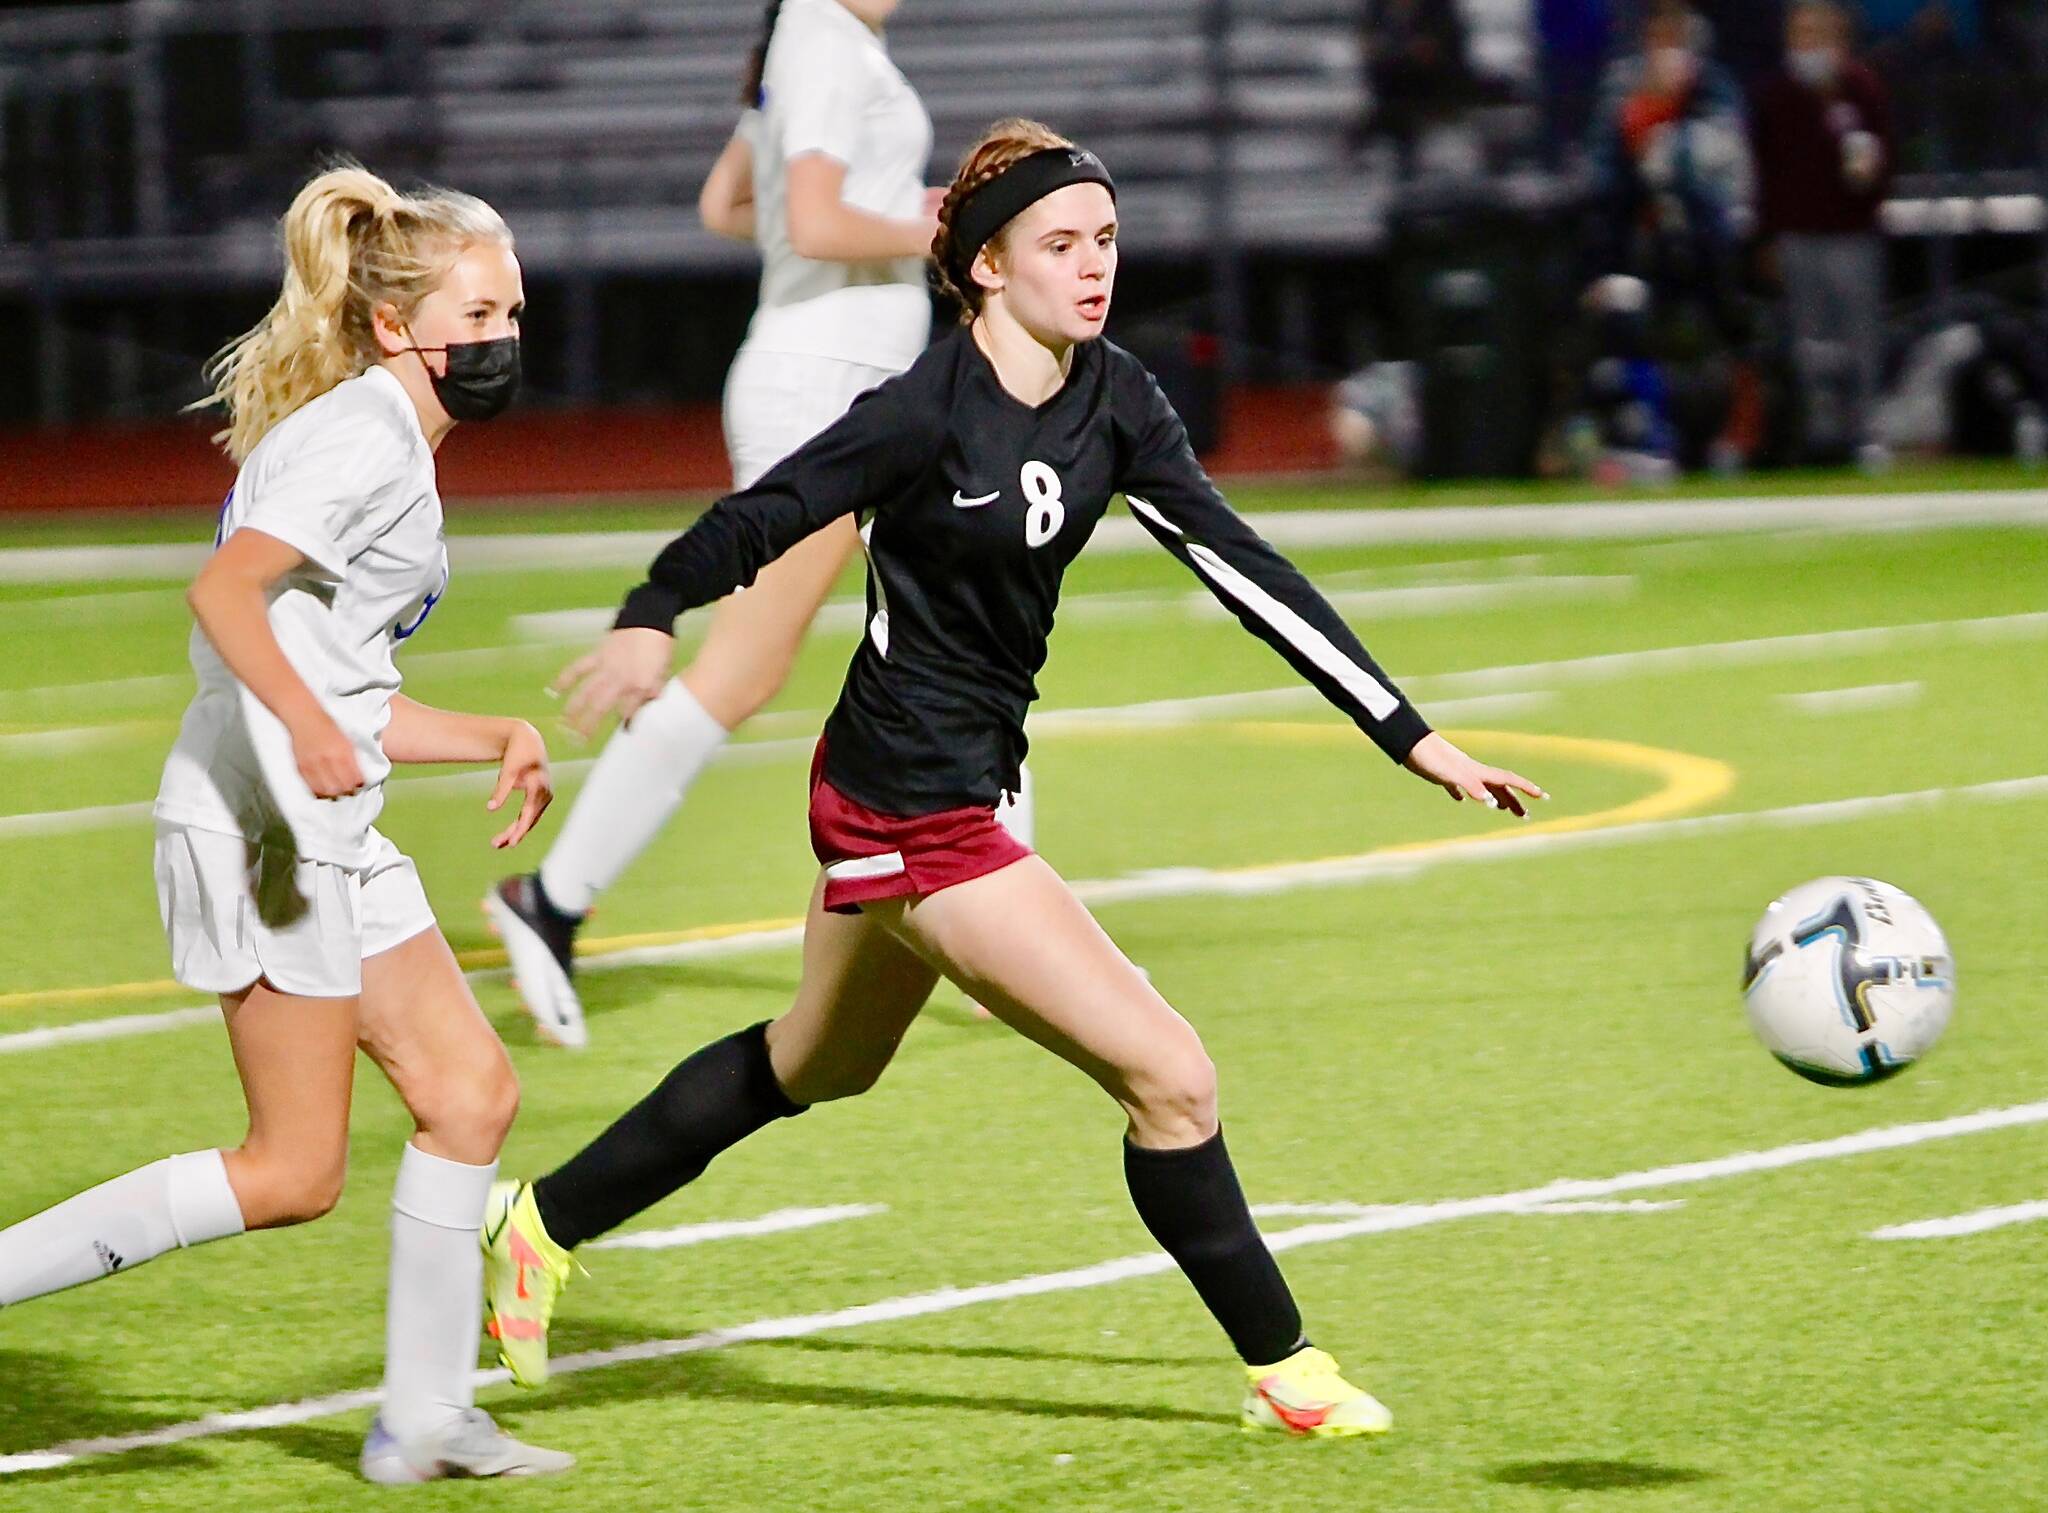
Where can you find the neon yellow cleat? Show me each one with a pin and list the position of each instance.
(524, 1272)
(1304, 1395)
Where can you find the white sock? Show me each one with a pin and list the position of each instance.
(179, 1201)
(435, 1312)
(1018, 812)
(638, 782)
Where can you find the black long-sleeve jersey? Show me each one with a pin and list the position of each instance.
(972, 504)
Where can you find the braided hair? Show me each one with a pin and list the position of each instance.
(1001, 147)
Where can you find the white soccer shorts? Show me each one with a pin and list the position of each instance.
(234, 913)
(777, 401)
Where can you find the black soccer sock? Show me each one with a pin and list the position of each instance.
(709, 1103)
(1191, 1202)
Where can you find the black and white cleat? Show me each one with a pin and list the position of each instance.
(540, 941)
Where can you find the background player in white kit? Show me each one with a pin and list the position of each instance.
(826, 173)
(399, 315)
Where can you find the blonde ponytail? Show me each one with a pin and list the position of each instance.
(351, 243)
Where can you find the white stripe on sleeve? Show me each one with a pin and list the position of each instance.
(1297, 632)
(1150, 511)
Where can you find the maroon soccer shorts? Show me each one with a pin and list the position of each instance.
(868, 856)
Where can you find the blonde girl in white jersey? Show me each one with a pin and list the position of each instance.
(826, 174)
(399, 316)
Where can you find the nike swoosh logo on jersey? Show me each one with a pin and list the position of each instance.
(962, 502)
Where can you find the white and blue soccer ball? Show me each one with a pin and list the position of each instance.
(1848, 981)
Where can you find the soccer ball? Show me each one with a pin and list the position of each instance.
(1848, 981)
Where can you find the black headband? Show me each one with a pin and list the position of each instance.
(1016, 189)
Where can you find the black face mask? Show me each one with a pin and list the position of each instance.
(482, 377)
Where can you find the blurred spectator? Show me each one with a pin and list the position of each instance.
(1572, 37)
(1418, 68)
(1672, 175)
(1670, 156)
(1670, 145)
(1825, 151)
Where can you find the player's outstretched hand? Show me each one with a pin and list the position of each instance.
(1438, 761)
(326, 757)
(524, 767)
(628, 669)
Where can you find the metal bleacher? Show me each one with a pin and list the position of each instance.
(148, 146)
(592, 124)
(617, 110)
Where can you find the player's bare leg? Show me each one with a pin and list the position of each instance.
(296, 1057)
(421, 1025)
(860, 991)
(755, 634)
(1019, 941)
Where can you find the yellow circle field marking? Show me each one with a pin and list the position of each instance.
(1687, 783)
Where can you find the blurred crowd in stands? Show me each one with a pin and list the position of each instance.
(1731, 272)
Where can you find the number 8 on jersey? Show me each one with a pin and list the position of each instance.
(1047, 512)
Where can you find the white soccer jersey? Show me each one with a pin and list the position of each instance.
(829, 87)
(349, 482)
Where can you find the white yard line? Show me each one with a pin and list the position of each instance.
(1431, 689)
(1492, 707)
(1319, 1210)
(1119, 534)
(1447, 598)
(557, 627)
(575, 627)
(68, 821)
(120, 1027)
(91, 607)
(1859, 700)
(1838, 514)
(1225, 706)
(49, 743)
(42, 703)
(470, 780)
(1756, 652)
(101, 564)
(1964, 1224)
(1608, 1206)
(779, 1222)
(37, 704)
(560, 627)
(1527, 564)
(1388, 1219)
(1361, 1210)
(1178, 882)
(1191, 882)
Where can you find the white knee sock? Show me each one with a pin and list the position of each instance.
(636, 785)
(1018, 812)
(181, 1200)
(435, 1311)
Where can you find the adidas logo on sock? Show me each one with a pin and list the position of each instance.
(111, 1260)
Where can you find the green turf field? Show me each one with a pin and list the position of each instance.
(1466, 1023)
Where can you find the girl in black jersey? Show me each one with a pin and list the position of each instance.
(976, 477)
